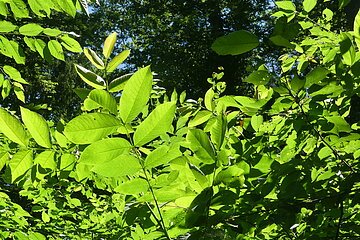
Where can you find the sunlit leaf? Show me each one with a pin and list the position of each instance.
(12, 128)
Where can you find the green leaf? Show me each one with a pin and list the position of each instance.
(6, 88)
(19, 9)
(14, 74)
(197, 213)
(120, 166)
(20, 163)
(40, 47)
(256, 122)
(6, 26)
(156, 124)
(200, 118)
(136, 94)
(235, 43)
(230, 175)
(38, 6)
(357, 29)
(4, 158)
(201, 146)
(67, 6)
(31, 29)
(208, 101)
(88, 128)
(46, 160)
(3, 9)
(94, 58)
(109, 44)
(316, 76)
(218, 130)
(119, 83)
(116, 61)
(45, 217)
(52, 32)
(56, 49)
(67, 162)
(133, 187)
(103, 99)
(12, 128)
(37, 127)
(309, 5)
(162, 155)
(70, 44)
(90, 78)
(259, 77)
(286, 5)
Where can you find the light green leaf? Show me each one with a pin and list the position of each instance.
(20, 163)
(256, 122)
(89, 128)
(38, 6)
(309, 5)
(56, 49)
(67, 6)
(218, 130)
(70, 44)
(37, 127)
(235, 43)
(31, 29)
(94, 58)
(52, 32)
(200, 118)
(19, 9)
(156, 124)
(6, 88)
(45, 217)
(120, 166)
(40, 47)
(357, 29)
(36, 236)
(259, 77)
(3, 9)
(46, 160)
(109, 44)
(12, 128)
(67, 162)
(119, 83)
(230, 175)
(4, 158)
(19, 93)
(30, 42)
(6, 26)
(324, 152)
(286, 5)
(162, 155)
(133, 187)
(208, 101)
(136, 94)
(14, 74)
(201, 146)
(90, 78)
(315, 76)
(101, 98)
(116, 61)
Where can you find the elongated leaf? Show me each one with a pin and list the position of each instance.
(235, 43)
(120, 166)
(200, 118)
(89, 128)
(19, 9)
(116, 61)
(37, 127)
(357, 29)
(197, 213)
(156, 124)
(109, 44)
(67, 6)
(94, 58)
(162, 155)
(90, 78)
(136, 94)
(6, 26)
(201, 146)
(53, 32)
(256, 122)
(316, 76)
(31, 29)
(46, 160)
(38, 6)
(20, 163)
(12, 128)
(218, 130)
(133, 187)
(309, 5)
(103, 99)
(14, 74)
(70, 44)
(56, 49)
(119, 83)
(4, 158)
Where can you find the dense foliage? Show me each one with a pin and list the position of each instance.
(141, 162)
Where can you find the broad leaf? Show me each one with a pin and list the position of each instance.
(56, 49)
(94, 58)
(116, 61)
(230, 175)
(119, 83)
(14, 74)
(20, 163)
(259, 77)
(90, 78)
(136, 94)
(31, 29)
(102, 98)
(256, 122)
(200, 118)
(19, 9)
(133, 187)
(109, 44)
(6, 27)
(37, 127)
(235, 43)
(316, 76)
(286, 5)
(218, 130)
(162, 155)
(46, 160)
(70, 44)
(122, 165)
(88, 128)
(156, 124)
(201, 146)
(309, 5)
(12, 128)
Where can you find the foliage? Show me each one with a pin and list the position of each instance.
(140, 164)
